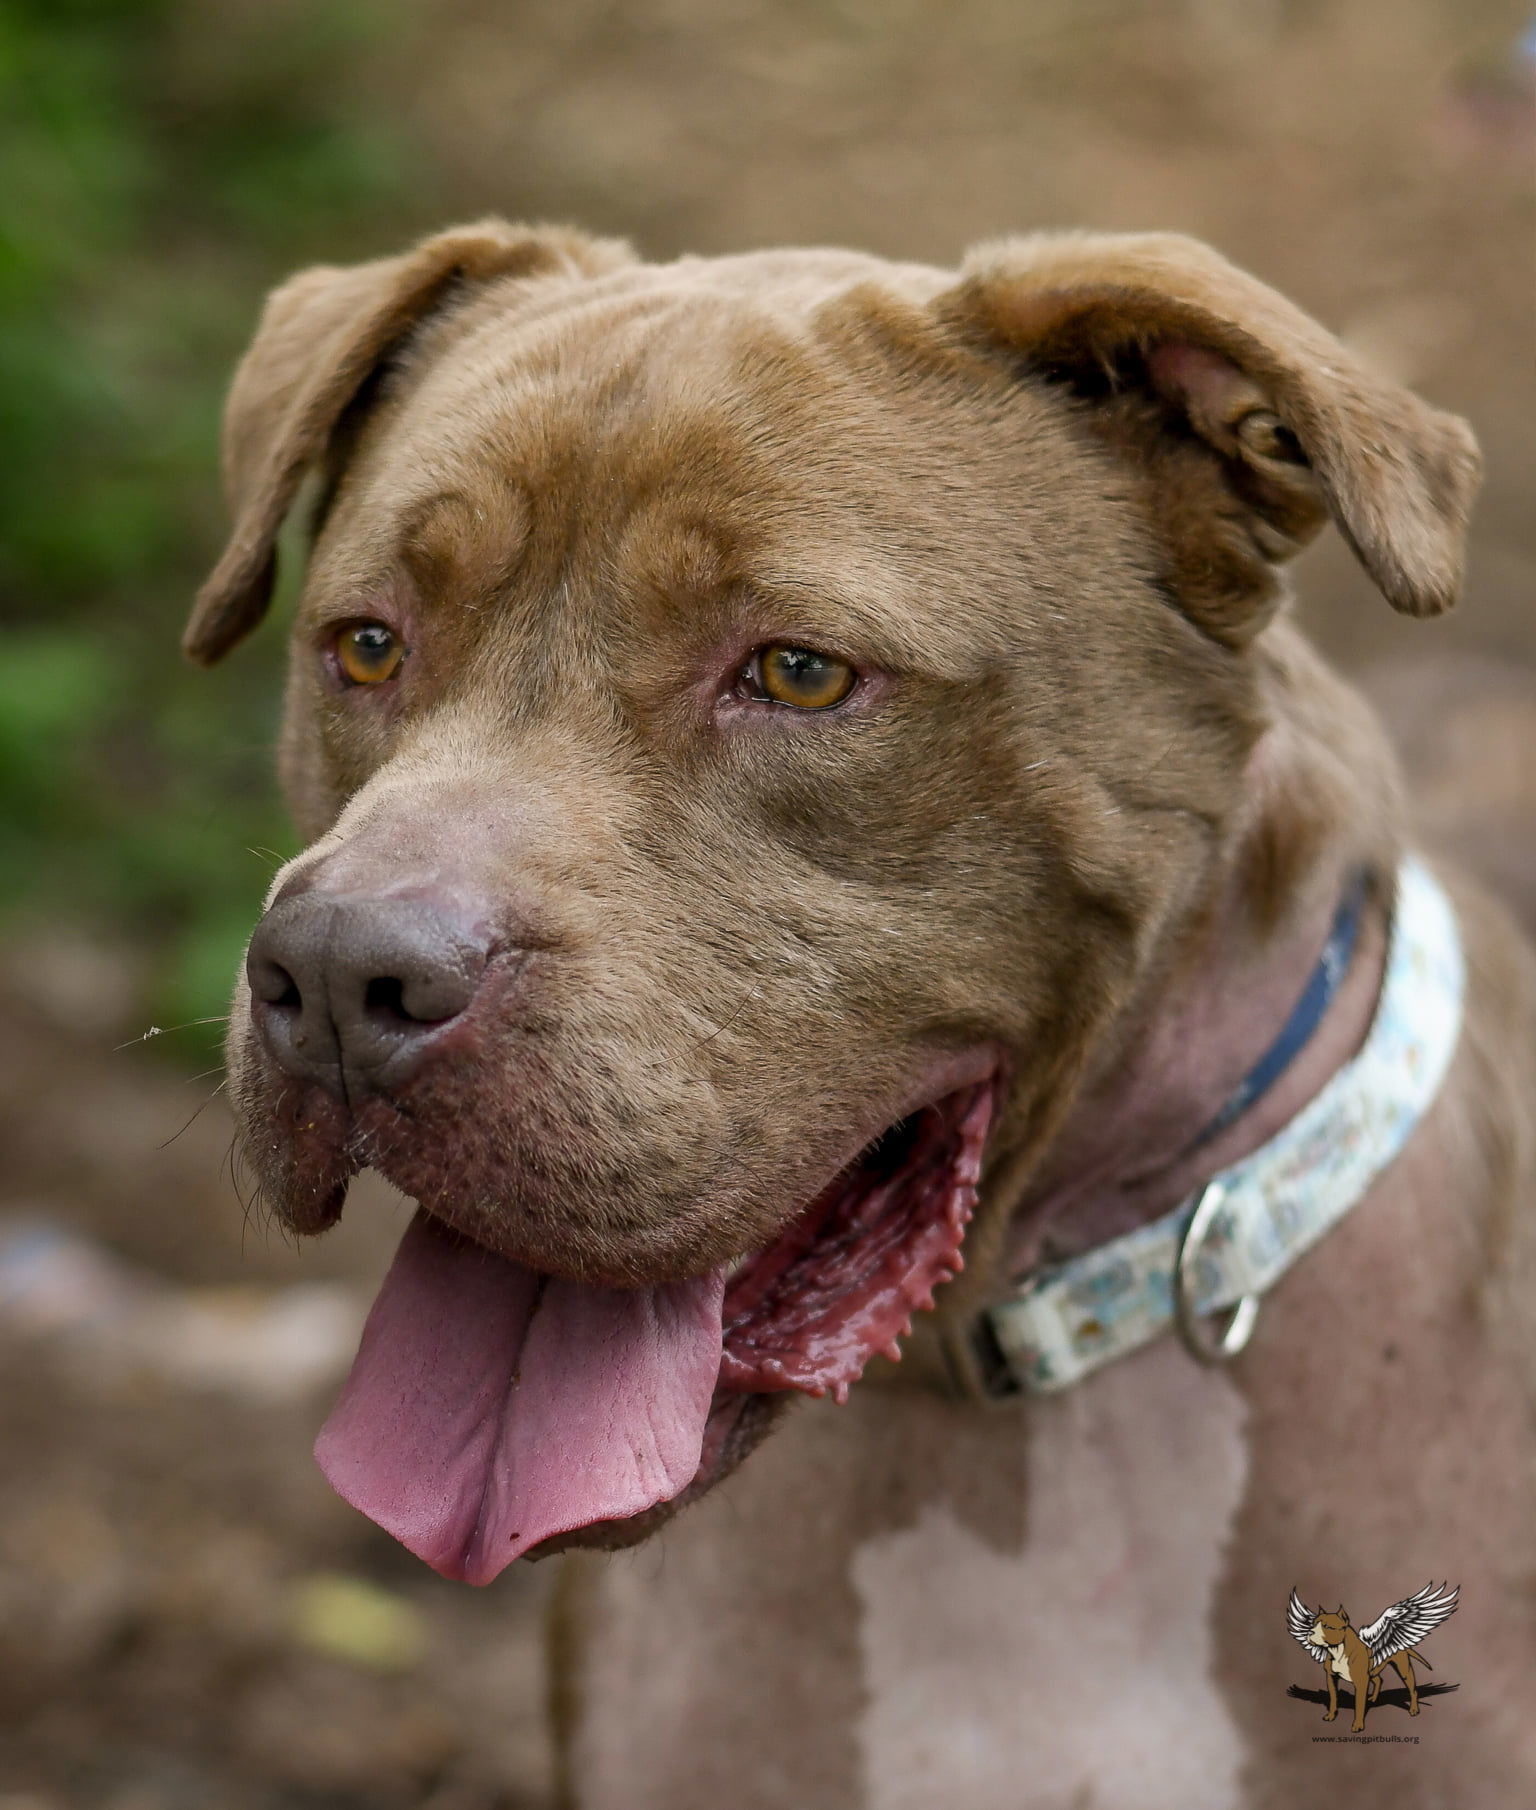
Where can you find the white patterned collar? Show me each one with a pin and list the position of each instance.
(1221, 1249)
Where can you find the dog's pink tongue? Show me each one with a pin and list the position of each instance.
(489, 1407)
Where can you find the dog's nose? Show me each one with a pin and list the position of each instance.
(349, 990)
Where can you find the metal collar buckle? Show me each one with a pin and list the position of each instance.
(1192, 1333)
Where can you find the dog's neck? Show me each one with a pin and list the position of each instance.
(1132, 1147)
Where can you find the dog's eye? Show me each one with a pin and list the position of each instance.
(368, 653)
(801, 677)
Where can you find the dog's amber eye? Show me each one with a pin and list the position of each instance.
(804, 678)
(369, 653)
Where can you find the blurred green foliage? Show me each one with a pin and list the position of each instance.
(160, 166)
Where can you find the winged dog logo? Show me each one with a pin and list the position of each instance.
(1359, 1657)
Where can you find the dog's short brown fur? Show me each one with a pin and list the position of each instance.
(1095, 775)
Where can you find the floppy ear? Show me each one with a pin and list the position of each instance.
(321, 336)
(1248, 422)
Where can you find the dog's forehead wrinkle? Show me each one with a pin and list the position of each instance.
(466, 541)
(642, 371)
(740, 389)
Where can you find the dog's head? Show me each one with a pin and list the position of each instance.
(1329, 1630)
(758, 721)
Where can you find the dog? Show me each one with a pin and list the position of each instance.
(1348, 1657)
(823, 838)
(1360, 1658)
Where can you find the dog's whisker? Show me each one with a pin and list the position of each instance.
(166, 1030)
(202, 1108)
(247, 1190)
(732, 1019)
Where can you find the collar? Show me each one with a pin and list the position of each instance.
(1307, 1015)
(1222, 1248)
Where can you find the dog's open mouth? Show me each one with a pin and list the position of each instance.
(492, 1408)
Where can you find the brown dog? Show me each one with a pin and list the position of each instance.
(1360, 1657)
(1348, 1658)
(806, 764)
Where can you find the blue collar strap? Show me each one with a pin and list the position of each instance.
(1327, 976)
(1222, 1249)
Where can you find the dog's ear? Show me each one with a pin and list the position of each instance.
(320, 338)
(1246, 422)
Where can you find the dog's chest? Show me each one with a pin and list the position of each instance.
(1088, 1649)
(902, 1603)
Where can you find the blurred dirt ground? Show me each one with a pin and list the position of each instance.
(187, 1617)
